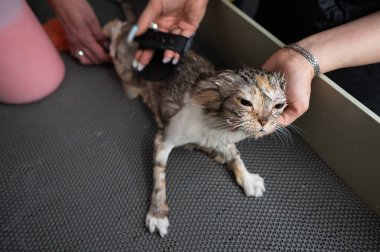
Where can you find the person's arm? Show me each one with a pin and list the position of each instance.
(82, 29)
(352, 44)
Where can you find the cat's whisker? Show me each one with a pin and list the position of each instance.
(221, 126)
(218, 126)
(283, 139)
(296, 129)
(221, 138)
(285, 133)
(273, 136)
(276, 136)
(231, 130)
(280, 137)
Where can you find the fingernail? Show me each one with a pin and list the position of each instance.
(175, 61)
(166, 60)
(132, 33)
(135, 64)
(140, 67)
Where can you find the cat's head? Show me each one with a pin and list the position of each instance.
(248, 100)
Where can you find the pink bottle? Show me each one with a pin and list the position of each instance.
(30, 66)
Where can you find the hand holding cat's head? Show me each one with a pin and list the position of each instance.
(248, 100)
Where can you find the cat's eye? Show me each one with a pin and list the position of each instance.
(279, 105)
(245, 103)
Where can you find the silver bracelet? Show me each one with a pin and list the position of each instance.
(310, 57)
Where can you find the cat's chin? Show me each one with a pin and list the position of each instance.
(262, 133)
(257, 136)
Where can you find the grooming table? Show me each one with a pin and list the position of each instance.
(76, 175)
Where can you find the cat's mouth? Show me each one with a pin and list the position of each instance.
(257, 133)
(245, 131)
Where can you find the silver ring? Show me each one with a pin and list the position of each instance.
(79, 53)
(153, 25)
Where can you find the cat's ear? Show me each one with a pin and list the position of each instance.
(207, 95)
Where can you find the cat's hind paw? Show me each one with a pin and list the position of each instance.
(253, 185)
(159, 224)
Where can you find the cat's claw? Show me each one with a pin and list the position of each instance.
(253, 185)
(159, 224)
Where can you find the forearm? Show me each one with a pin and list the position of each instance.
(352, 44)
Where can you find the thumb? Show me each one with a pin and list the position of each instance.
(287, 118)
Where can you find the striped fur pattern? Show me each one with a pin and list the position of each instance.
(202, 108)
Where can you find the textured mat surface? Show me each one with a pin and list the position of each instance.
(75, 175)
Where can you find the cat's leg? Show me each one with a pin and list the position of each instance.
(157, 217)
(252, 184)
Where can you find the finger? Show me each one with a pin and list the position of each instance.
(281, 121)
(150, 13)
(93, 49)
(132, 33)
(176, 58)
(288, 116)
(88, 57)
(137, 56)
(188, 32)
(97, 42)
(93, 52)
(187, 29)
(144, 59)
(99, 53)
(83, 42)
(96, 30)
(83, 59)
(169, 54)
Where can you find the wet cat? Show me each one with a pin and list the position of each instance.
(203, 108)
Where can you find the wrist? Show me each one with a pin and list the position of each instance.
(307, 55)
(297, 62)
(323, 48)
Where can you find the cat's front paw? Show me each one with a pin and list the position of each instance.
(156, 223)
(253, 185)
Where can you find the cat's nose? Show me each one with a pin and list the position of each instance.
(262, 121)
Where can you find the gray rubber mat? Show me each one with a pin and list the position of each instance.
(76, 175)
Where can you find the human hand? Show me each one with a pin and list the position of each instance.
(175, 16)
(82, 29)
(298, 73)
